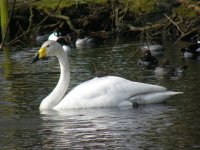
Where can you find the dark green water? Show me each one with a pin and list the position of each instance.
(172, 125)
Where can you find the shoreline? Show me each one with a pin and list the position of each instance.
(110, 17)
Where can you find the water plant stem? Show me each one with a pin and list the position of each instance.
(5, 21)
(4, 16)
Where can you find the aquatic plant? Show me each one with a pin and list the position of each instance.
(3, 16)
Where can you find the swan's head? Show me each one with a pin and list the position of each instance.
(49, 48)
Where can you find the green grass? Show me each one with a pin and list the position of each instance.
(142, 6)
(51, 4)
(186, 12)
(136, 6)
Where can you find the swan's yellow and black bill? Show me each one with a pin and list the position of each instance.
(41, 54)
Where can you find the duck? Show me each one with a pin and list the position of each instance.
(54, 36)
(64, 40)
(98, 92)
(153, 47)
(156, 48)
(58, 32)
(148, 60)
(192, 51)
(66, 43)
(88, 41)
(41, 35)
(168, 70)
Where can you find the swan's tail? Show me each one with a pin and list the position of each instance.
(157, 97)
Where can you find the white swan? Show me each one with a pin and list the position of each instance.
(98, 92)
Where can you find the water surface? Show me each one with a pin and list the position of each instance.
(172, 125)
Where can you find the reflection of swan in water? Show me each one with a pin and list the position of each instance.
(98, 92)
(100, 128)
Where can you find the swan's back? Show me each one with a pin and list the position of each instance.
(105, 91)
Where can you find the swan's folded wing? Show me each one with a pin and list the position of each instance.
(105, 91)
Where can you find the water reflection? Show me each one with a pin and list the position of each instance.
(7, 66)
(119, 128)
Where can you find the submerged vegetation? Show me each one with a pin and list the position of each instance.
(151, 18)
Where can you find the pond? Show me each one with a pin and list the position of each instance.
(171, 125)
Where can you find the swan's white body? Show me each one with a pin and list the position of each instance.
(105, 91)
(98, 92)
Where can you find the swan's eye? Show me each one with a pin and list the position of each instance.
(47, 45)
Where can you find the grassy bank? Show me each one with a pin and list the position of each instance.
(136, 6)
(112, 16)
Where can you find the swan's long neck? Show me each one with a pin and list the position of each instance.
(59, 91)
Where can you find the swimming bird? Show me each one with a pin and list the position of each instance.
(153, 47)
(166, 69)
(156, 49)
(97, 92)
(41, 38)
(148, 60)
(192, 51)
(41, 35)
(54, 36)
(88, 41)
(64, 40)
